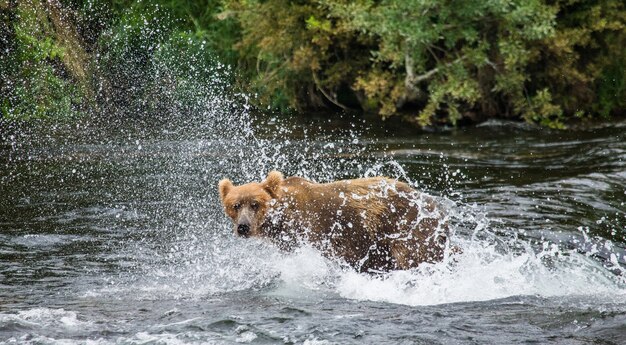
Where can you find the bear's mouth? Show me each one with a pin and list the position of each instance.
(244, 235)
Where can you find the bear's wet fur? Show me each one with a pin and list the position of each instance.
(374, 224)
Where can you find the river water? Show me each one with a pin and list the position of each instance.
(112, 232)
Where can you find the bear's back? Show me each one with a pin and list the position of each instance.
(349, 216)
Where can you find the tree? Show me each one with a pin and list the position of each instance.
(437, 61)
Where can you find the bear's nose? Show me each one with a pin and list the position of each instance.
(243, 229)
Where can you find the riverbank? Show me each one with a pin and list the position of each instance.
(551, 65)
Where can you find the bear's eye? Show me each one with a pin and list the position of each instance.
(236, 207)
(254, 206)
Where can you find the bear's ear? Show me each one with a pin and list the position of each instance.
(272, 183)
(224, 187)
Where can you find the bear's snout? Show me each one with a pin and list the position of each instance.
(245, 222)
(243, 229)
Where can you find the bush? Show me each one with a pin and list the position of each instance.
(431, 62)
(439, 61)
(41, 70)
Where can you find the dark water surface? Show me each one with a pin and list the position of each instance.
(114, 234)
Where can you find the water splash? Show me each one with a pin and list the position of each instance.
(192, 129)
(198, 257)
(481, 273)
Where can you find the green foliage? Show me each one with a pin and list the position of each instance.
(124, 51)
(220, 33)
(582, 64)
(106, 56)
(34, 85)
(175, 88)
(612, 88)
(294, 55)
(430, 61)
(149, 61)
(440, 61)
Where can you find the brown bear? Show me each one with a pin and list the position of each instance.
(374, 224)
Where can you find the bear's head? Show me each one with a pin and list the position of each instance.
(247, 205)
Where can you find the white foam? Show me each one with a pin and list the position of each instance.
(45, 317)
(245, 336)
(480, 273)
(483, 271)
(316, 341)
(487, 269)
(161, 338)
(42, 340)
(306, 268)
(198, 270)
